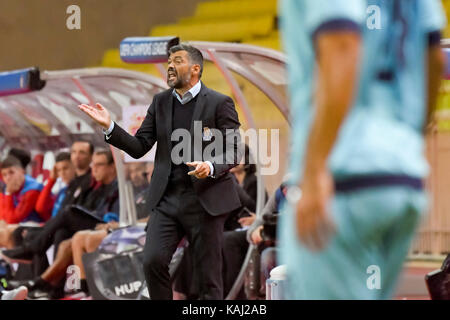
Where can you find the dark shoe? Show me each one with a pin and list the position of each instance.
(42, 290)
(40, 284)
(17, 255)
(57, 293)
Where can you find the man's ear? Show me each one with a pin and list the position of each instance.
(196, 69)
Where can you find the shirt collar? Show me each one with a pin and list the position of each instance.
(191, 94)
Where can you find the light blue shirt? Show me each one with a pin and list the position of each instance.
(188, 96)
(383, 130)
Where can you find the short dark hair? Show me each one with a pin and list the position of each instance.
(10, 161)
(91, 146)
(195, 55)
(24, 156)
(107, 153)
(62, 156)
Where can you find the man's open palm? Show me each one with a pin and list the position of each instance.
(98, 113)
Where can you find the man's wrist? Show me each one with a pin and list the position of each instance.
(211, 168)
(108, 131)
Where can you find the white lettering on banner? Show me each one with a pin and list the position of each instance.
(127, 288)
(143, 49)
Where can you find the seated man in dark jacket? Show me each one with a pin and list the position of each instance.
(81, 153)
(101, 199)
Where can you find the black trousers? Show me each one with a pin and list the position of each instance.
(59, 228)
(179, 213)
(235, 248)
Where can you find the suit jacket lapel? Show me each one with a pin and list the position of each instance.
(199, 106)
(168, 114)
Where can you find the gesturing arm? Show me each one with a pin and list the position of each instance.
(136, 146)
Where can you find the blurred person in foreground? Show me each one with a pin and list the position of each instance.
(136, 175)
(360, 100)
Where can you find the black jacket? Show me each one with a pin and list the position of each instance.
(215, 110)
(77, 190)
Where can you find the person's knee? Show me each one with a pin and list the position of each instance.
(65, 245)
(93, 240)
(78, 239)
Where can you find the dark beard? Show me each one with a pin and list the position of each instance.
(177, 84)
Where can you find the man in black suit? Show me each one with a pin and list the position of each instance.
(182, 202)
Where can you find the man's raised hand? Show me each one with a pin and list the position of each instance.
(98, 113)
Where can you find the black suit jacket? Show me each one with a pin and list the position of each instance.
(216, 194)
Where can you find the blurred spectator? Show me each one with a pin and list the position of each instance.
(48, 204)
(46, 201)
(101, 201)
(80, 156)
(140, 197)
(136, 174)
(246, 185)
(22, 155)
(235, 245)
(18, 199)
(263, 234)
(86, 241)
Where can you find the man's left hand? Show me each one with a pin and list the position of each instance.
(201, 170)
